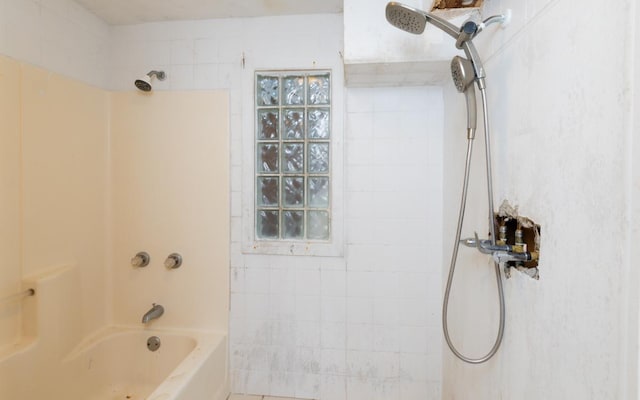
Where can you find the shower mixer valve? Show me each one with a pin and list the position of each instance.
(501, 253)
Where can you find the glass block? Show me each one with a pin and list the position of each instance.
(293, 223)
(267, 90)
(293, 123)
(293, 90)
(267, 158)
(268, 191)
(318, 192)
(293, 191)
(268, 124)
(318, 123)
(319, 89)
(318, 158)
(293, 157)
(268, 224)
(318, 225)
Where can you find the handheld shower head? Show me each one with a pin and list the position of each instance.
(463, 76)
(144, 83)
(462, 73)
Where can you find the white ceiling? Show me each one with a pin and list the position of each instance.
(124, 12)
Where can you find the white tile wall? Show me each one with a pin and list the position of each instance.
(58, 35)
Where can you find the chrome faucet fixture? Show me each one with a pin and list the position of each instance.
(155, 312)
(141, 259)
(173, 261)
(502, 253)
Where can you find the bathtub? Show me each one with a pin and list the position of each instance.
(115, 364)
(55, 360)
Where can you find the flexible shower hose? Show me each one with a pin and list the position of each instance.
(454, 257)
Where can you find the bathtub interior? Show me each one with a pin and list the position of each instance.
(117, 361)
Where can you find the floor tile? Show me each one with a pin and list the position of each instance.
(257, 397)
(244, 397)
(278, 398)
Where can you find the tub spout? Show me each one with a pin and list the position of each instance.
(156, 311)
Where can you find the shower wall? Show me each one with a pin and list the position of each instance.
(364, 325)
(60, 36)
(560, 98)
(169, 181)
(64, 145)
(10, 229)
(54, 175)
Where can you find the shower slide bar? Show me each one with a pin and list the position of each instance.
(18, 296)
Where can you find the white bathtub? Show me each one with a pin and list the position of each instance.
(53, 361)
(116, 364)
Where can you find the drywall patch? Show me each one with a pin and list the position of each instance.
(517, 230)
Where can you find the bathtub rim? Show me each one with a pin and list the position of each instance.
(107, 332)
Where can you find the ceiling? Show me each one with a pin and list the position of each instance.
(125, 12)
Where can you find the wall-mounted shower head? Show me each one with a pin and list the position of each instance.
(412, 20)
(463, 76)
(406, 18)
(144, 83)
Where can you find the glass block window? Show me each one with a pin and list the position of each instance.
(293, 154)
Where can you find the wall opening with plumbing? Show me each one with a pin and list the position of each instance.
(449, 4)
(523, 234)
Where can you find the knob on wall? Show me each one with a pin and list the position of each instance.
(173, 261)
(141, 259)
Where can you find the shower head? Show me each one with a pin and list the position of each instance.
(414, 21)
(463, 76)
(462, 73)
(144, 83)
(406, 18)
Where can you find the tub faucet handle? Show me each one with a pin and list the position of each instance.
(141, 259)
(173, 261)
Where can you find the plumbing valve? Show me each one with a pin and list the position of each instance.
(501, 253)
(141, 259)
(173, 261)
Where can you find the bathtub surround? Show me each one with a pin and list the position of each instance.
(78, 207)
(10, 230)
(64, 192)
(55, 200)
(40, 111)
(169, 192)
